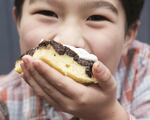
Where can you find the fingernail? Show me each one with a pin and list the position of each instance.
(23, 67)
(25, 60)
(97, 67)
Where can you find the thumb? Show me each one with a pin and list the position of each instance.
(103, 76)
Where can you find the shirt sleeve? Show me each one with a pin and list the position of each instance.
(140, 105)
(3, 112)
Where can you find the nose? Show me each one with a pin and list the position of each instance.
(70, 33)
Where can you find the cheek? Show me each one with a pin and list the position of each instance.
(31, 35)
(108, 47)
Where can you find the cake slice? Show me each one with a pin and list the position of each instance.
(66, 59)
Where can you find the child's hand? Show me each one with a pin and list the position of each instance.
(95, 102)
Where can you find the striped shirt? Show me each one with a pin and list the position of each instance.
(19, 102)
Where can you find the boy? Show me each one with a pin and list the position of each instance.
(105, 28)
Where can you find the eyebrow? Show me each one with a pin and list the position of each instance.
(102, 4)
(93, 4)
(51, 2)
(34, 1)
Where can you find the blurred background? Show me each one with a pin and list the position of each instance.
(9, 47)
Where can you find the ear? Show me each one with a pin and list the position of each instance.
(130, 37)
(14, 14)
(15, 18)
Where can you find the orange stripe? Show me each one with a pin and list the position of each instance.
(148, 55)
(4, 95)
(129, 96)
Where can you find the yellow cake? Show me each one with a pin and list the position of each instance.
(64, 59)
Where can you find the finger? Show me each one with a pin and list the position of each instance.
(36, 88)
(103, 76)
(62, 83)
(50, 91)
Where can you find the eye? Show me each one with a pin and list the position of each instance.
(97, 18)
(47, 13)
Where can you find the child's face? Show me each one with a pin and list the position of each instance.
(95, 25)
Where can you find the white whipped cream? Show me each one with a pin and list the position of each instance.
(83, 53)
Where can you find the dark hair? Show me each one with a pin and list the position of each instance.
(18, 4)
(132, 9)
